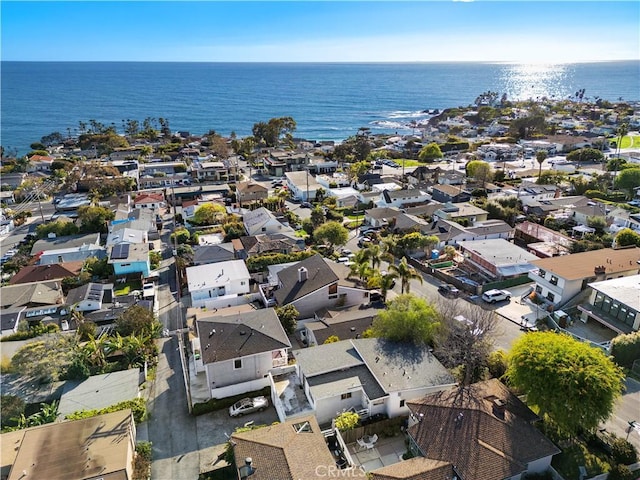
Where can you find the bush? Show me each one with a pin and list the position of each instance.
(625, 349)
(620, 472)
(497, 363)
(623, 451)
(142, 462)
(259, 263)
(219, 403)
(137, 406)
(347, 421)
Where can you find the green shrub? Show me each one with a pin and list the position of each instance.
(137, 406)
(347, 421)
(497, 363)
(623, 451)
(219, 403)
(259, 263)
(621, 472)
(625, 349)
(142, 462)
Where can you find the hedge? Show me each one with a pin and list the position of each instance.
(612, 196)
(219, 403)
(625, 349)
(260, 262)
(138, 407)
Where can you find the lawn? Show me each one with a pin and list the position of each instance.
(567, 462)
(126, 288)
(409, 163)
(630, 141)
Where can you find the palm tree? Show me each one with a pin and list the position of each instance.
(541, 156)
(375, 254)
(386, 283)
(405, 273)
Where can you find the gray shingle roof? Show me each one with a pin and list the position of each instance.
(319, 274)
(235, 336)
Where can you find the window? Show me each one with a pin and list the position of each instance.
(554, 280)
(538, 289)
(264, 229)
(237, 364)
(242, 282)
(542, 273)
(401, 403)
(551, 297)
(345, 396)
(333, 289)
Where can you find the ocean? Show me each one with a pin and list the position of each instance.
(329, 101)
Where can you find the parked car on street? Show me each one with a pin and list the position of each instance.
(248, 405)
(306, 205)
(493, 296)
(449, 290)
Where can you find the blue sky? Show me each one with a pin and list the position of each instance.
(509, 31)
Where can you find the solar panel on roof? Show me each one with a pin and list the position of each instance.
(120, 251)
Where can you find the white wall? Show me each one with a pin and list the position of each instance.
(233, 287)
(328, 408)
(319, 299)
(223, 374)
(392, 404)
(540, 465)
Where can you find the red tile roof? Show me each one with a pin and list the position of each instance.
(149, 198)
(41, 273)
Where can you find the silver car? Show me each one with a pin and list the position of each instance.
(248, 405)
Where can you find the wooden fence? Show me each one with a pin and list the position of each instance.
(389, 427)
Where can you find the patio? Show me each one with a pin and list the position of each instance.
(291, 395)
(387, 451)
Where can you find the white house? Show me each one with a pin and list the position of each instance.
(237, 351)
(614, 303)
(90, 297)
(558, 279)
(302, 185)
(314, 283)
(127, 235)
(262, 220)
(217, 284)
(368, 375)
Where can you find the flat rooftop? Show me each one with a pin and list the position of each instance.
(625, 290)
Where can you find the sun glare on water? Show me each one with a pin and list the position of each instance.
(535, 81)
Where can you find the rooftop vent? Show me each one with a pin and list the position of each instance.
(303, 274)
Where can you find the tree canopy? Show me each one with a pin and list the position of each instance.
(430, 152)
(628, 179)
(270, 133)
(407, 319)
(573, 383)
(94, 219)
(137, 320)
(626, 237)
(208, 214)
(479, 170)
(288, 315)
(333, 233)
(585, 155)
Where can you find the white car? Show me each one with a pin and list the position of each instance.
(493, 296)
(248, 405)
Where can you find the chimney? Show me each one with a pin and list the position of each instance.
(498, 408)
(303, 274)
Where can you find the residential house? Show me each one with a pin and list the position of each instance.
(582, 214)
(468, 427)
(558, 279)
(70, 203)
(615, 304)
(410, 223)
(344, 324)
(381, 216)
(250, 246)
(540, 240)
(568, 143)
(54, 243)
(560, 207)
(100, 391)
(366, 180)
(463, 213)
(292, 450)
(451, 233)
(205, 254)
(13, 180)
(250, 192)
(103, 446)
(280, 161)
(530, 193)
(126, 235)
(238, 351)
(35, 294)
(424, 174)
(498, 258)
(218, 284)
(41, 273)
(163, 174)
(144, 220)
(263, 221)
(61, 252)
(7, 197)
(322, 165)
(209, 171)
(403, 198)
(90, 297)
(346, 197)
(367, 375)
(452, 177)
(417, 468)
(153, 201)
(449, 194)
(130, 258)
(40, 163)
(315, 283)
(424, 211)
(10, 319)
(302, 185)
